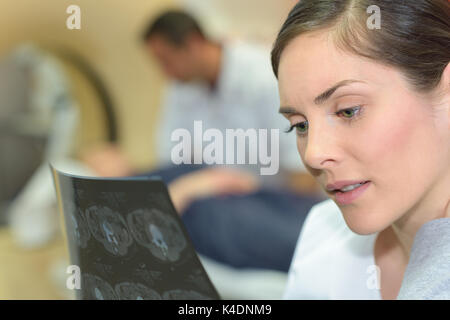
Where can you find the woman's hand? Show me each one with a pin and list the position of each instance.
(208, 183)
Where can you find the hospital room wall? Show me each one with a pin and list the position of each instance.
(109, 41)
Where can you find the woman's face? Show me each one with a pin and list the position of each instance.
(388, 135)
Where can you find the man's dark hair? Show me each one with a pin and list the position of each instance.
(175, 26)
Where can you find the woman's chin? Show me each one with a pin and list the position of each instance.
(363, 225)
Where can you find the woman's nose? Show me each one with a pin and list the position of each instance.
(321, 150)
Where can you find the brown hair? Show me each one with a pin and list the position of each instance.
(414, 35)
(175, 26)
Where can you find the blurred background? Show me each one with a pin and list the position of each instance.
(100, 85)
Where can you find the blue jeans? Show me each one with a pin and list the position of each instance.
(257, 230)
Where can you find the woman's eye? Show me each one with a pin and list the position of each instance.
(350, 112)
(301, 128)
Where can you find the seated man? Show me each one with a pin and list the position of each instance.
(233, 214)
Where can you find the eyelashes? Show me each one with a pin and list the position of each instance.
(355, 113)
(290, 128)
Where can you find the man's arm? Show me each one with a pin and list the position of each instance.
(208, 183)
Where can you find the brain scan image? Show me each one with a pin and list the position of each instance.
(158, 239)
(158, 200)
(180, 294)
(95, 288)
(78, 226)
(135, 291)
(158, 232)
(109, 228)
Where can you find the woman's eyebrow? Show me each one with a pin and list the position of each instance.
(288, 110)
(321, 98)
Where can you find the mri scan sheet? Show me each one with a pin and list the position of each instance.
(128, 240)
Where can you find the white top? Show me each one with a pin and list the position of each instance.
(331, 261)
(246, 97)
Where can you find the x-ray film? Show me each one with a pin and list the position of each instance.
(128, 241)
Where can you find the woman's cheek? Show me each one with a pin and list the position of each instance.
(391, 145)
(301, 147)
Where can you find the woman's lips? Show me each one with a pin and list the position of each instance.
(348, 197)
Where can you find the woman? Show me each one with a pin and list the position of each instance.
(371, 110)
